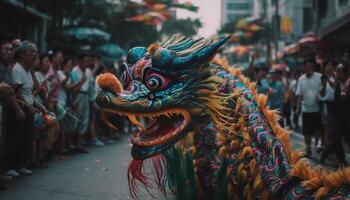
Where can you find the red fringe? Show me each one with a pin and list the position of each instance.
(159, 176)
(137, 176)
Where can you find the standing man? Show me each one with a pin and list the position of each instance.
(7, 97)
(308, 88)
(341, 115)
(8, 104)
(276, 91)
(82, 74)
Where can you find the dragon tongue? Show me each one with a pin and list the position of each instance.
(133, 120)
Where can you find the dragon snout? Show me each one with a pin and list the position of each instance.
(110, 82)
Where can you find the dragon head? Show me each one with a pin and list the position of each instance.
(170, 83)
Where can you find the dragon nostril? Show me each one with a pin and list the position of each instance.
(151, 96)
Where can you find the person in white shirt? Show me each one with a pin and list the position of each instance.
(83, 75)
(307, 92)
(22, 78)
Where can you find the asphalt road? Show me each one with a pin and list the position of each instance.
(100, 175)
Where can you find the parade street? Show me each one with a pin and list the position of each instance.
(99, 175)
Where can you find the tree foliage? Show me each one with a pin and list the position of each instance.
(187, 27)
(229, 27)
(110, 16)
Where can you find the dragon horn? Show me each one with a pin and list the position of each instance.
(199, 52)
(187, 43)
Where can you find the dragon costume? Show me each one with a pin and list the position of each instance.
(210, 134)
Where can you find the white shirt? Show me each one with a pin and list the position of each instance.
(62, 94)
(308, 89)
(293, 85)
(21, 76)
(40, 77)
(329, 94)
(79, 74)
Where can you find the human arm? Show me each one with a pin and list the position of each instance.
(345, 94)
(324, 81)
(299, 97)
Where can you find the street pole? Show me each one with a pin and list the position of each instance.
(267, 32)
(276, 26)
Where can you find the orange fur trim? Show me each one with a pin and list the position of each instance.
(247, 151)
(153, 48)
(248, 193)
(222, 151)
(110, 81)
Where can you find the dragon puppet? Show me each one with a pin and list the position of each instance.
(210, 135)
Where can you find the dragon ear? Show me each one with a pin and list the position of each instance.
(136, 54)
(198, 52)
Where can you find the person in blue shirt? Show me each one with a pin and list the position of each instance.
(262, 84)
(276, 90)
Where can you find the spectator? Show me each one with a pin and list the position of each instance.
(327, 98)
(65, 104)
(293, 89)
(341, 112)
(250, 71)
(55, 93)
(7, 100)
(261, 82)
(307, 91)
(276, 92)
(92, 91)
(287, 98)
(42, 137)
(21, 140)
(82, 75)
(56, 59)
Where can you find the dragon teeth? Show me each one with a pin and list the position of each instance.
(134, 120)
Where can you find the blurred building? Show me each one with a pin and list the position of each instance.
(295, 18)
(19, 20)
(234, 9)
(333, 22)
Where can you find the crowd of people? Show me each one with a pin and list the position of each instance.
(317, 94)
(47, 107)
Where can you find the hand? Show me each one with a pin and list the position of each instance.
(6, 91)
(49, 77)
(20, 114)
(83, 79)
(271, 91)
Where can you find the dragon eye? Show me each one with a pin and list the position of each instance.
(156, 81)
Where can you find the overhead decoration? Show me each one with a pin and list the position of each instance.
(246, 30)
(154, 12)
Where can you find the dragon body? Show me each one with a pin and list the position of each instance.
(211, 135)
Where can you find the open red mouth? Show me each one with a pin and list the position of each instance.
(165, 127)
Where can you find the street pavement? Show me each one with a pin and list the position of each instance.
(331, 161)
(99, 175)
